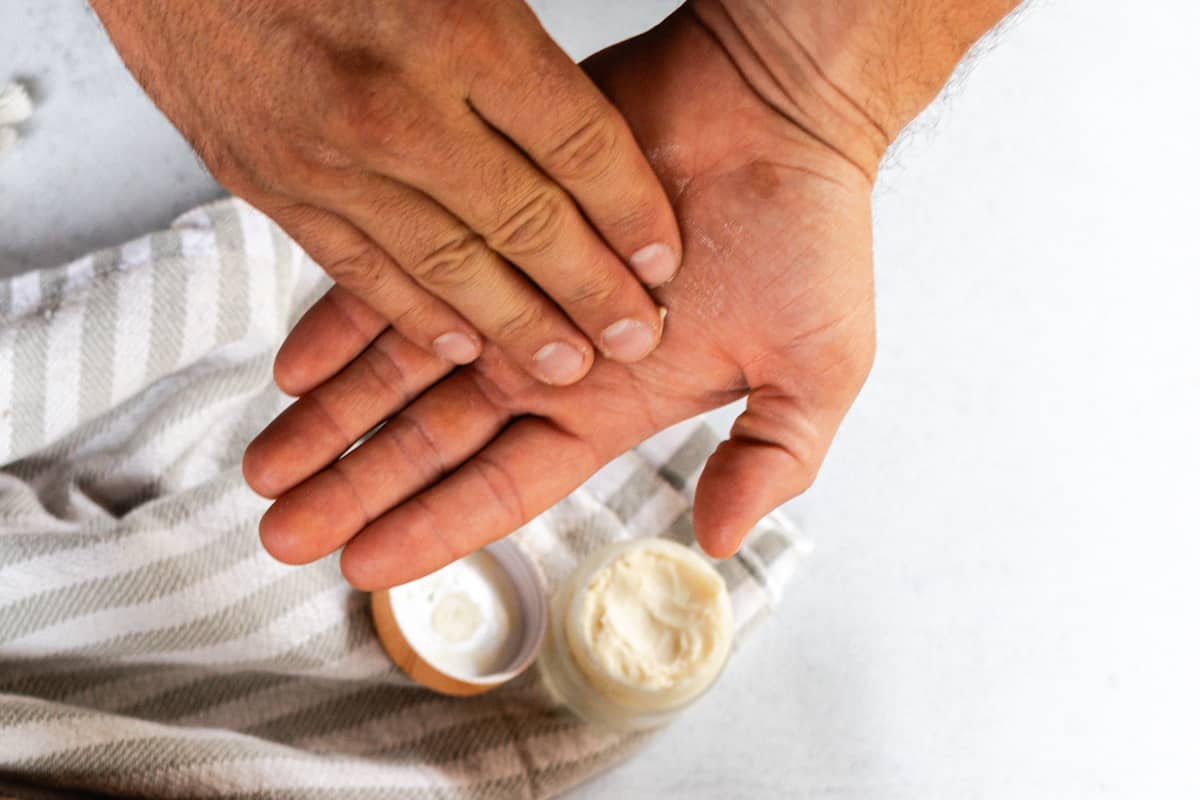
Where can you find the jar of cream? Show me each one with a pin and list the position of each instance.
(637, 633)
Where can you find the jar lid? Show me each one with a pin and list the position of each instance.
(470, 626)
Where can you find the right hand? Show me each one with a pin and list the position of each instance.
(445, 162)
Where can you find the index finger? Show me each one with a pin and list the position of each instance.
(525, 470)
(554, 113)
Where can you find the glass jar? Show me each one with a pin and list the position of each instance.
(638, 632)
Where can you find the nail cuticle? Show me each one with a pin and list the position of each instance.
(656, 264)
(628, 340)
(559, 364)
(457, 347)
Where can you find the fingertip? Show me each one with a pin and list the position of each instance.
(742, 482)
(286, 377)
(721, 543)
(257, 471)
(630, 340)
(336, 329)
(656, 264)
(722, 539)
(457, 347)
(349, 571)
(362, 573)
(306, 359)
(718, 521)
(282, 540)
(562, 364)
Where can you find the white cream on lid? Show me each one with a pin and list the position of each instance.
(464, 619)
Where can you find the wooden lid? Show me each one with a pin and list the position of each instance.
(534, 612)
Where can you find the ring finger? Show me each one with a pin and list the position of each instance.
(447, 259)
(525, 219)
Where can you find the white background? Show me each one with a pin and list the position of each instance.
(1004, 601)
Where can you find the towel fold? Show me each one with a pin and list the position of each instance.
(150, 648)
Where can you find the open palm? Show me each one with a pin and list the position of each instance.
(774, 300)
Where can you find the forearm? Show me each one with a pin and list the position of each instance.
(851, 72)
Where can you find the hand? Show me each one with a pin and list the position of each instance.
(443, 161)
(775, 300)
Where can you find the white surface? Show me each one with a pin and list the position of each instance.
(1003, 602)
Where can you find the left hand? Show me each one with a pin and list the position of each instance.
(774, 301)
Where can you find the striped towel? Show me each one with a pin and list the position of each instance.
(150, 648)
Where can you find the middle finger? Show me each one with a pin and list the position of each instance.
(317, 428)
(412, 451)
(456, 265)
(528, 220)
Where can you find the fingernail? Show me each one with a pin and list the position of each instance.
(627, 340)
(559, 363)
(655, 264)
(455, 347)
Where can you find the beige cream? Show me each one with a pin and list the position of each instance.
(651, 626)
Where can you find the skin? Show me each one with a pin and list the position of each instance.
(766, 211)
(770, 168)
(444, 162)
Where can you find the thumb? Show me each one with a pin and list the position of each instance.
(772, 455)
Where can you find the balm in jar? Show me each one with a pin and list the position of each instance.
(638, 632)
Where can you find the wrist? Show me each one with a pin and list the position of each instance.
(850, 73)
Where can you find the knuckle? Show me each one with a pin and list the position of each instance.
(803, 443)
(597, 289)
(502, 487)
(845, 363)
(430, 523)
(278, 167)
(363, 120)
(641, 213)
(339, 471)
(379, 368)
(519, 323)
(497, 391)
(319, 151)
(589, 151)
(405, 312)
(317, 173)
(301, 220)
(806, 464)
(371, 116)
(324, 412)
(454, 265)
(412, 443)
(225, 167)
(471, 43)
(533, 226)
(299, 176)
(365, 271)
(805, 479)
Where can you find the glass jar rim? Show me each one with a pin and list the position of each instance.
(630, 697)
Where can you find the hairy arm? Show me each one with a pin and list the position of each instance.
(851, 73)
(445, 162)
